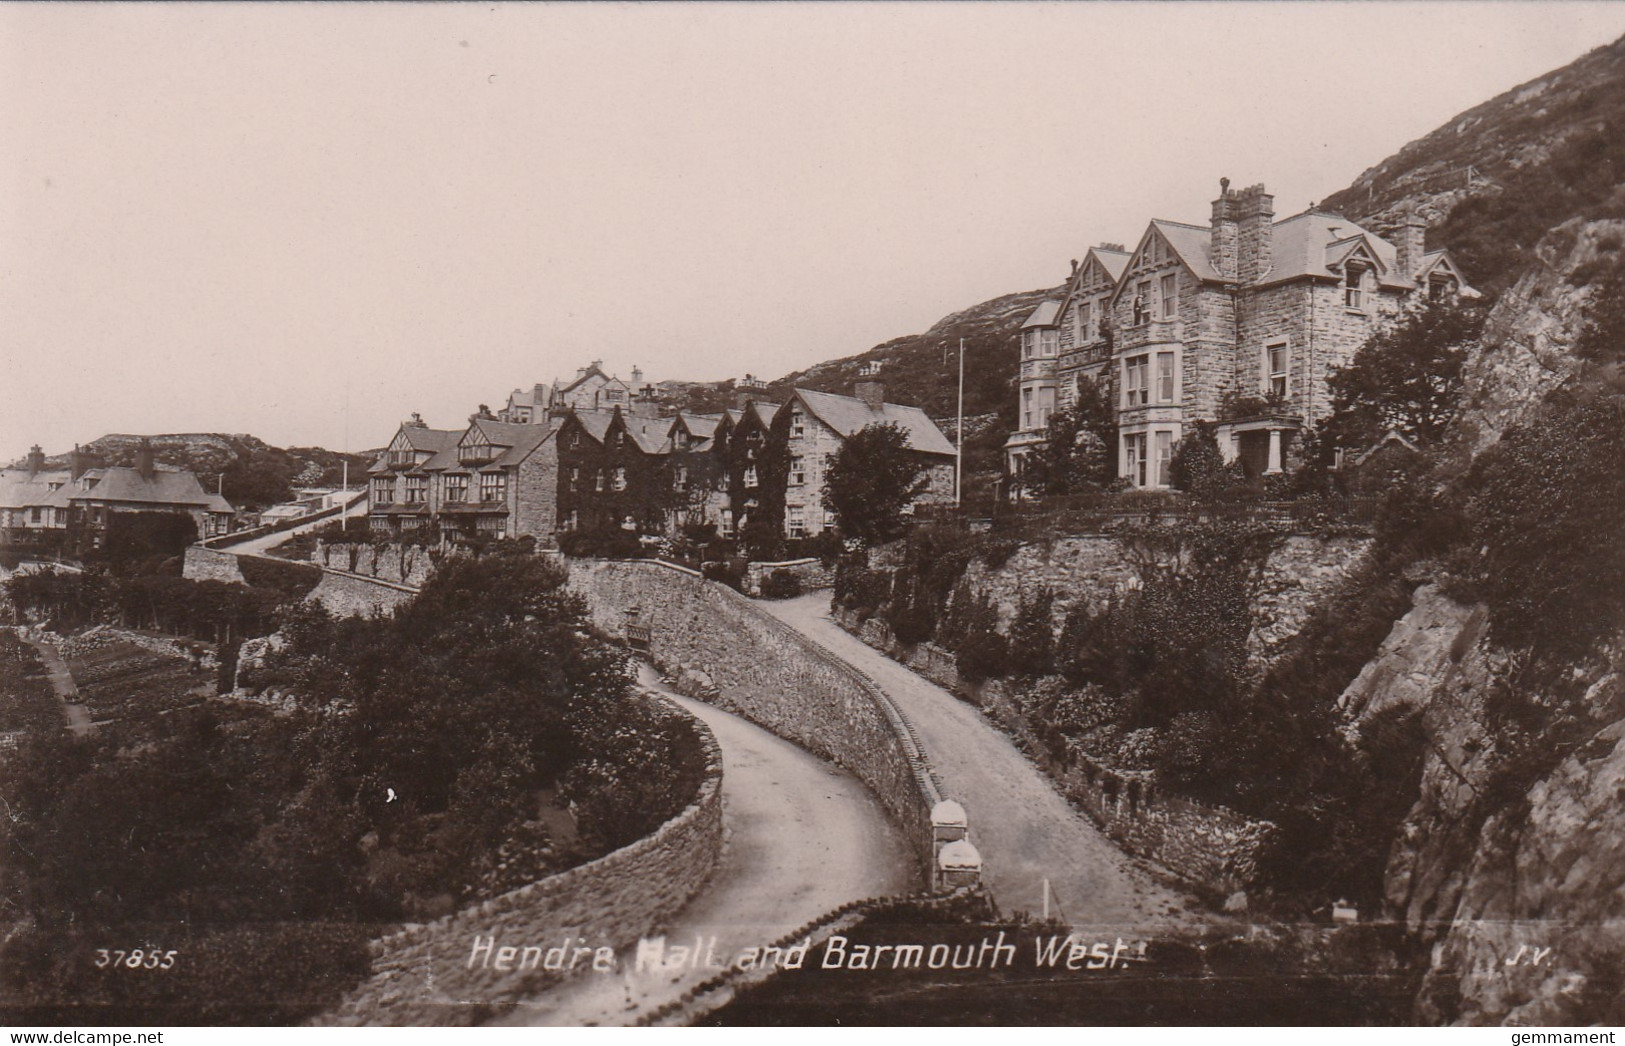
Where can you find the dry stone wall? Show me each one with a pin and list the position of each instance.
(716, 645)
(463, 968)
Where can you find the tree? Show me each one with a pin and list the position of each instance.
(873, 478)
(1197, 466)
(1407, 376)
(1070, 461)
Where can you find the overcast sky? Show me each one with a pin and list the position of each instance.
(306, 221)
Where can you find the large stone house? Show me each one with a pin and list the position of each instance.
(1238, 322)
(493, 479)
(74, 509)
(812, 426)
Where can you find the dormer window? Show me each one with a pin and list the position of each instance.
(1441, 287)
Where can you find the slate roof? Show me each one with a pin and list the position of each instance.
(523, 446)
(1114, 262)
(1307, 244)
(128, 486)
(20, 489)
(1048, 314)
(433, 440)
(848, 415)
(1193, 244)
(700, 426)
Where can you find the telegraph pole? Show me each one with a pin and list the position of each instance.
(959, 431)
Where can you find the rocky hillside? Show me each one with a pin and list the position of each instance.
(1511, 860)
(1495, 179)
(250, 472)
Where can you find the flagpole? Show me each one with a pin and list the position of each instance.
(959, 432)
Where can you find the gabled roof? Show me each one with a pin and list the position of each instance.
(496, 433)
(763, 411)
(1048, 314)
(587, 372)
(848, 415)
(595, 422)
(700, 426)
(652, 435)
(1434, 261)
(432, 440)
(1193, 246)
(1115, 262)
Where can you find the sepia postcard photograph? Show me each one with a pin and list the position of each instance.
(784, 515)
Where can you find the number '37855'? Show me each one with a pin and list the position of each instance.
(135, 958)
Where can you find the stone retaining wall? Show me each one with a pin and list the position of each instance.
(402, 564)
(720, 647)
(207, 564)
(351, 595)
(432, 974)
(1211, 848)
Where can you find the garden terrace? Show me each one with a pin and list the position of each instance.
(120, 680)
(27, 704)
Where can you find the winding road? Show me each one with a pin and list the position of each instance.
(802, 838)
(1023, 827)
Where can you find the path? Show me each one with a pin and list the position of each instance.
(62, 682)
(802, 839)
(258, 546)
(1024, 828)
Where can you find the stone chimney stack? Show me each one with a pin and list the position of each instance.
(36, 460)
(144, 462)
(1224, 231)
(1255, 211)
(872, 393)
(1409, 237)
(79, 461)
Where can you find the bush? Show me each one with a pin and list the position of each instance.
(601, 543)
(781, 584)
(982, 651)
(730, 572)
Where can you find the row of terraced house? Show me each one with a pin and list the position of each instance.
(1238, 322)
(599, 453)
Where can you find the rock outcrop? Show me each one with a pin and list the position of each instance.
(1514, 871)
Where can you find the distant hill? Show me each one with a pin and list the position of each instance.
(250, 472)
(1497, 177)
